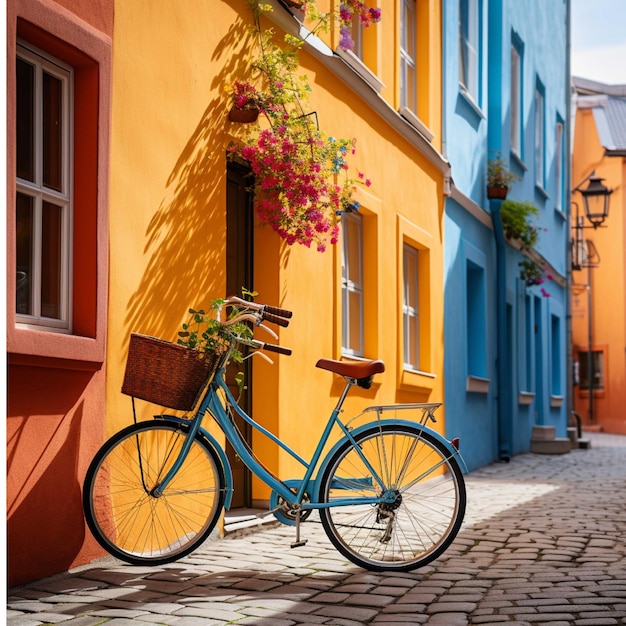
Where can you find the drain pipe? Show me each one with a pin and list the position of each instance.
(503, 360)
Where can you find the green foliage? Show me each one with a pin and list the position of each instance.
(515, 221)
(531, 272)
(205, 333)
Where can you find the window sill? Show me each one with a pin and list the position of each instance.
(51, 349)
(525, 397)
(556, 402)
(466, 98)
(560, 214)
(541, 191)
(415, 121)
(476, 384)
(415, 380)
(518, 161)
(361, 69)
(597, 393)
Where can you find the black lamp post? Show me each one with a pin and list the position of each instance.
(596, 200)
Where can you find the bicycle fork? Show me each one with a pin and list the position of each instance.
(161, 485)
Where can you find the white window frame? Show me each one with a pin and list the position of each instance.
(350, 287)
(408, 37)
(357, 37)
(516, 101)
(410, 308)
(559, 165)
(469, 47)
(539, 137)
(39, 193)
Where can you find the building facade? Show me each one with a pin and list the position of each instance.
(158, 220)
(599, 276)
(505, 97)
(58, 128)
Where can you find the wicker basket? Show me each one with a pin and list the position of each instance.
(165, 373)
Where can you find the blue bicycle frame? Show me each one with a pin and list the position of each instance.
(307, 495)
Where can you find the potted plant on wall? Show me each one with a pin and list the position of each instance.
(499, 178)
(246, 102)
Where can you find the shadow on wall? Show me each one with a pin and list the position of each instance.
(185, 240)
(45, 525)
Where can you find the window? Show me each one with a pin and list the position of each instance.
(352, 285)
(559, 165)
(43, 199)
(408, 48)
(476, 321)
(516, 98)
(469, 14)
(410, 308)
(596, 366)
(539, 136)
(525, 345)
(357, 38)
(556, 355)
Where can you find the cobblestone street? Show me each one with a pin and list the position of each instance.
(543, 542)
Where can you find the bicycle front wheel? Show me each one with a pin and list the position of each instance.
(125, 516)
(421, 491)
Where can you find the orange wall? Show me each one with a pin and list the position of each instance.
(55, 407)
(608, 281)
(168, 185)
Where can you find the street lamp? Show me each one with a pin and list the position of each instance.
(596, 200)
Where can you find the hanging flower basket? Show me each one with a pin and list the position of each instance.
(243, 116)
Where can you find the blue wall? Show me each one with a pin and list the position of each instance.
(524, 375)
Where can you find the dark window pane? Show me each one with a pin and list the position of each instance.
(25, 131)
(24, 247)
(52, 131)
(598, 369)
(51, 228)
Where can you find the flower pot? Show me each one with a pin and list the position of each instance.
(243, 116)
(497, 192)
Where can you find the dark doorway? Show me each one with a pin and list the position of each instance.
(239, 273)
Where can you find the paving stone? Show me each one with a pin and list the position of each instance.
(543, 543)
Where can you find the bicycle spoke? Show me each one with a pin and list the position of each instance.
(136, 526)
(421, 504)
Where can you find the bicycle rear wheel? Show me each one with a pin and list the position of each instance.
(136, 526)
(424, 498)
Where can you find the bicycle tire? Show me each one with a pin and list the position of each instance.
(129, 522)
(423, 519)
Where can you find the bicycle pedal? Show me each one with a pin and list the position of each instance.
(298, 544)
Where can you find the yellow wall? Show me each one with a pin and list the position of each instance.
(168, 186)
(608, 281)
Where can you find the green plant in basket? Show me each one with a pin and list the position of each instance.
(205, 332)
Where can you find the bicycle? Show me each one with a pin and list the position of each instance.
(390, 493)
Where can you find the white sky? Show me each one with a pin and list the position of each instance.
(599, 40)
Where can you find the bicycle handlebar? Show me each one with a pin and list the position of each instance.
(275, 319)
(270, 347)
(274, 310)
(256, 313)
